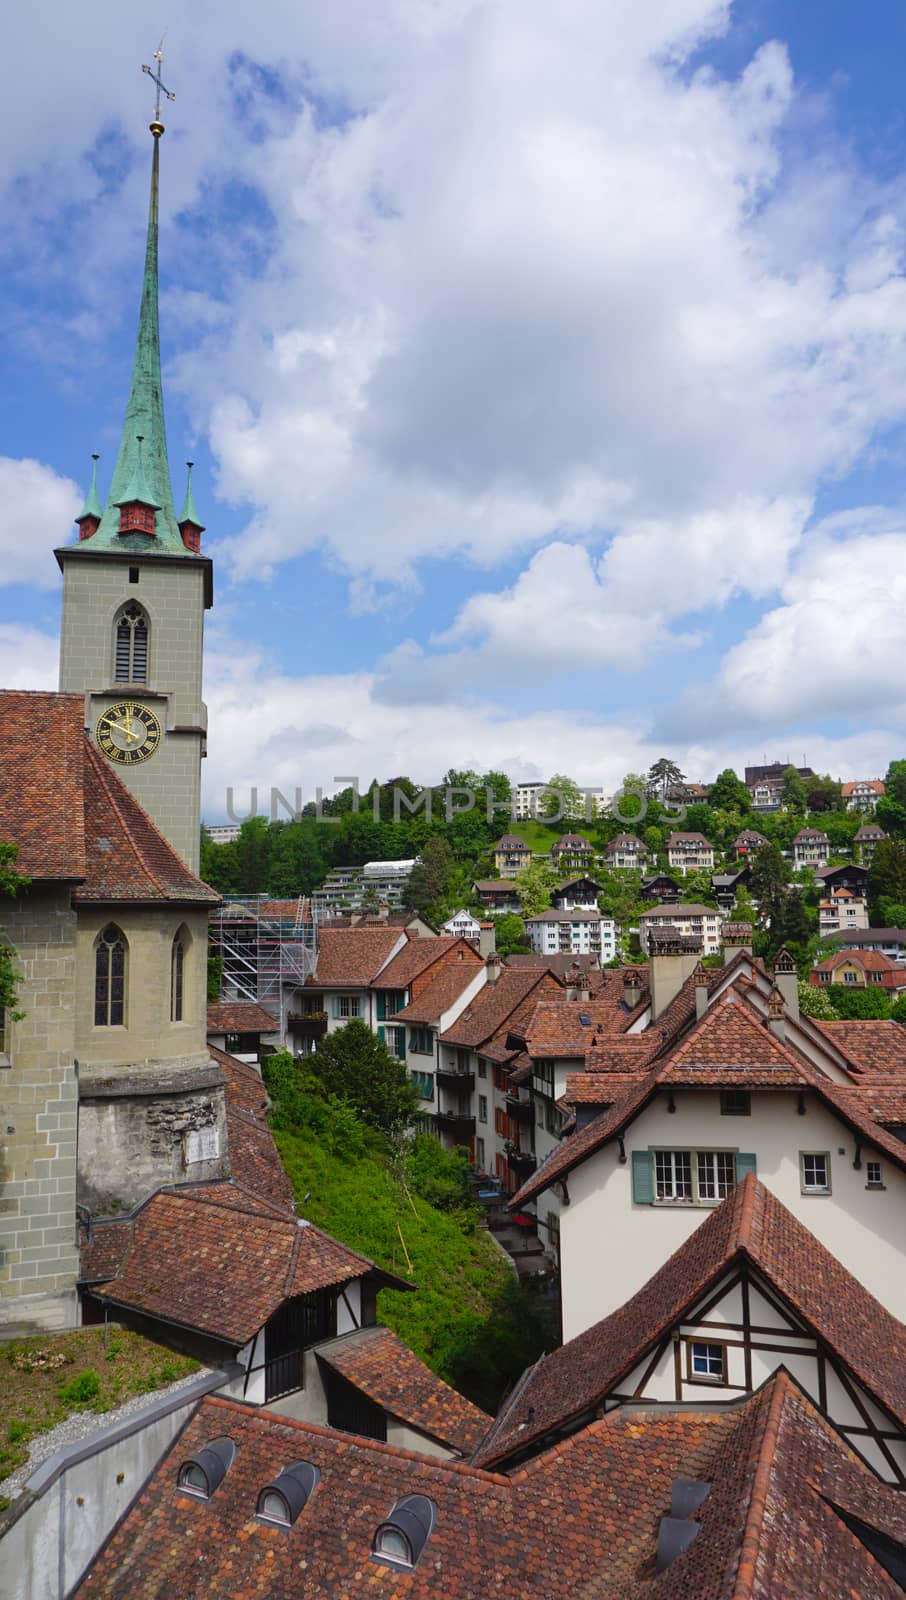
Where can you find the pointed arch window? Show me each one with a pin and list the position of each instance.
(131, 645)
(110, 979)
(177, 976)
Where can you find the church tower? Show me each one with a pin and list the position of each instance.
(135, 591)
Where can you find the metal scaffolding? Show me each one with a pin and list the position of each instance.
(265, 945)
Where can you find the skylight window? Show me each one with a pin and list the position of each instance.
(400, 1540)
(201, 1474)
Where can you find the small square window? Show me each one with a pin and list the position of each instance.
(707, 1362)
(873, 1176)
(482, 1068)
(815, 1172)
(735, 1103)
(482, 1108)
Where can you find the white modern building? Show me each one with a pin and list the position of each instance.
(690, 922)
(582, 932)
(345, 888)
(223, 832)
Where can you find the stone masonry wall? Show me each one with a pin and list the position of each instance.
(38, 1117)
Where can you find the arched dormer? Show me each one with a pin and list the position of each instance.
(110, 976)
(130, 644)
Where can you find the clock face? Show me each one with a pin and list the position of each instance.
(128, 732)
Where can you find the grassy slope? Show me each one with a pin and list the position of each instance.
(43, 1380)
(539, 838)
(458, 1271)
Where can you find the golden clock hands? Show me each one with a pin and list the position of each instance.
(127, 733)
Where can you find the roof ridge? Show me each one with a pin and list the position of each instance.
(293, 1260)
(358, 1441)
(765, 1446)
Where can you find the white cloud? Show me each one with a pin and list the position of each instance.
(39, 507)
(28, 658)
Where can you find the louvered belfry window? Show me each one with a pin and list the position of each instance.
(132, 646)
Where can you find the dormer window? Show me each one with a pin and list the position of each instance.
(202, 1474)
(400, 1540)
(283, 1500)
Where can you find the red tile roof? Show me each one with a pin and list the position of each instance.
(495, 1005)
(511, 841)
(419, 955)
(240, 1016)
(351, 958)
(580, 1521)
(749, 1226)
(244, 1086)
(387, 1371)
(441, 993)
(877, 1046)
(223, 1268)
(72, 817)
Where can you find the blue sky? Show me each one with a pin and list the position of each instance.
(544, 368)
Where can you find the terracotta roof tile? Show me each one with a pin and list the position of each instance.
(351, 958)
(496, 1004)
(385, 1369)
(750, 1224)
(877, 1046)
(224, 1270)
(101, 1249)
(441, 993)
(419, 955)
(240, 1016)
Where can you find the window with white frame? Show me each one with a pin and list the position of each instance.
(482, 1108)
(346, 1006)
(702, 1177)
(482, 1068)
(421, 1041)
(873, 1176)
(814, 1169)
(707, 1362)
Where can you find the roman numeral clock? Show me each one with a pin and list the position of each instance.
(128, 732)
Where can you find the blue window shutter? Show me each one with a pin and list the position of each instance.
(744, 1165)
(642, 1177)
(382, 1035)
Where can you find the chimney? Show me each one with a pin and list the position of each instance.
(383, 910)
(487, 939)
(632, 988)
(777, 1014)
(493, 965)
(671, 963)
(736, 936)
(701, 992)
(786, 979)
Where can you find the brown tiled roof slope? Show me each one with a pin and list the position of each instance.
(385, 1369)
(205, 1264)
(441, 993)
(254, 1160)
(873, 1047)
(750, 1225)
(556, 1029)
(42, 757)
(599, 1088)
(101, 1249)
(496, 1003)
(240, 1016)
(72, 817)
(581, 1521)
(350, 958)
(419, 955)
(243, 1083)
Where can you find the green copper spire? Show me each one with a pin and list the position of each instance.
(136, 464)
(188, 512)
(92, 506)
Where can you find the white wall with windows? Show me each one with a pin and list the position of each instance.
(629, 1216)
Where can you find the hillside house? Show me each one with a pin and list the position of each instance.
(690, 852)
(511, 854)
(626, 852)
(811, 848)
(863, 794)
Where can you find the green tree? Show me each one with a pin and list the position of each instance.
(431, 877)
(509, 935)
(534, 886)
(729, 793)
(794, 793)
(11, 884)
(252, 852)
(663, 775)
(356, 1066)
(215, 976)
(859, 1003)
(886, 875)
(565, 803)
(898, 1009)
(815, 1002)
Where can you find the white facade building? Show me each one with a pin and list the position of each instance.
(462, 925)
(344, 888)
(580, 932)
(691, 922)
(842, 912)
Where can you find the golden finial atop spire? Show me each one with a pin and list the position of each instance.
(154, 74)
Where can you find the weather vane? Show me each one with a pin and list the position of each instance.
(154, 74)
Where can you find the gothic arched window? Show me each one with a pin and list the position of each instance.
(131, 645)
(110, 979)
(177, 974)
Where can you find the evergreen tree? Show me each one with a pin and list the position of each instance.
(886, 876)
(357, 1067)
(431, 876)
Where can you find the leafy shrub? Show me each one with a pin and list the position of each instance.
(82, 1390)
(16, 1431)
(439, 1175)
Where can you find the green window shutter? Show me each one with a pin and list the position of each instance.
(744, 1165)
(642, 1178)
(381, 1006)
(401, 1043)
(382, 1035)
